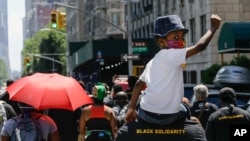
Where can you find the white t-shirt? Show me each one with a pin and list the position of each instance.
(163, 76)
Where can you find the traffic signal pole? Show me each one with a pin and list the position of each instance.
(128, 32)
(130, 62)
(72, 7)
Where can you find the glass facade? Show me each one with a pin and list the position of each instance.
(4, 51)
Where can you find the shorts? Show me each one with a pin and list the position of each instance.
(163, 119)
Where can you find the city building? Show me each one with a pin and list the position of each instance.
(4, 46)
(37, 17)
(89, 21)
(195, 16)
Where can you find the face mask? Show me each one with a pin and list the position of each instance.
(176, 44)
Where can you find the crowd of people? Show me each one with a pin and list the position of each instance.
(160, 112)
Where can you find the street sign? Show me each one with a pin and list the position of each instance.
(125, 57)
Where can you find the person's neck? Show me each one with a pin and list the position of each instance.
(226, 105)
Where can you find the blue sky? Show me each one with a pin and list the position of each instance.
(15, 31)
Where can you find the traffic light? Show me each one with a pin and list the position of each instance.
(62, 20)
(54, 19)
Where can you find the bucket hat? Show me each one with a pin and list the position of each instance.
(165, 24)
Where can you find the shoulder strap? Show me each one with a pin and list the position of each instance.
(202, 111)
(34, 119)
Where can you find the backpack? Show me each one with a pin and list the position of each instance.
(26, 129)
(3, 116)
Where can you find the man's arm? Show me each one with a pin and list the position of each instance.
(54, 136)
(82, 124)
(131, 113)
(205, 39)
(5, 138)
(113, 123)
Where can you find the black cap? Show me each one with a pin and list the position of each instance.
(121, 96)
(117, 88)
(227, 95)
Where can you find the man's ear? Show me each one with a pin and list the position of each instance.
(161, 42)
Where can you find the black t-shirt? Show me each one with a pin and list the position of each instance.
(179, 131)
(218, 126)
(198, 106)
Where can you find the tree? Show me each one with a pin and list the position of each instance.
(3, 70)
(45, 42)
(209, 74)
(242, 61)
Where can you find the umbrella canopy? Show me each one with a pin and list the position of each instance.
(49, 91)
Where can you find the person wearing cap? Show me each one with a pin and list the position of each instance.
(109, 99)
(201, 108)
(163, 75)
(97, 121)
(5, 97)
(220, 122)
(120, 107)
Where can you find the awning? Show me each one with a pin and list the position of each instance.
(234, 37)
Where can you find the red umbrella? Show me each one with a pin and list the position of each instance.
(49, 91)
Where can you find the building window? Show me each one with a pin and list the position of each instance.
(203, 24)
(202, 74)
(173, 3)
(158, 8)
(185, 77)
(193, 77)
(115, 18)
(192, 30)
(190, 77)
(148, 31)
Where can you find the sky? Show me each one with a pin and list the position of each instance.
(16, 12)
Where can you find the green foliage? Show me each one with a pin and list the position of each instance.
(3, 70)
(209, 74)
(242, 61)
(42, 43)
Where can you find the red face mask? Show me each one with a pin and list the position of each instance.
(177, 44)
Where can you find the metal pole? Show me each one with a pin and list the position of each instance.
(67, 51)
(45, 57)
(72, 7)
(128, 32)
(53, 65)
(130, 63)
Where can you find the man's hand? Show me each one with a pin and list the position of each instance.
(215, 21)
(130, 115)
